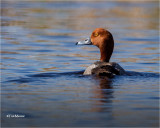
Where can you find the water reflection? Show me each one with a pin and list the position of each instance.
(104, 94)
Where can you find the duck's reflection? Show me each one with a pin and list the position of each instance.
(103, 94)
(105, 83)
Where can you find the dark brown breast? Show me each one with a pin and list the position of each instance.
(107, 69)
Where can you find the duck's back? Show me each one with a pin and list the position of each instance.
(104, 69)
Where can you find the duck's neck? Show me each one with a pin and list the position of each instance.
(104, 56)
(106, 52)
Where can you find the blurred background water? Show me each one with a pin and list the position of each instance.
(40, 64)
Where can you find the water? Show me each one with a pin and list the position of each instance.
(41, 65)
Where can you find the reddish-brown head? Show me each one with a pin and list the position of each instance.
(103, 39)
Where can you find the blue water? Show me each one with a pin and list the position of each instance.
(41, 67)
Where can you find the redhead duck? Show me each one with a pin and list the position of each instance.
(103, 39)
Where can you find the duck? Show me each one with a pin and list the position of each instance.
(103, 39)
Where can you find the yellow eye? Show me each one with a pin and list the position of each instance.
(95, 34)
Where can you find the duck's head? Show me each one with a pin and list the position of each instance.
(103, 39)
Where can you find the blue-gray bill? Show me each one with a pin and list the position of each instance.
(85, 42)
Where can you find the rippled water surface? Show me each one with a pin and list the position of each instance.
(41, 65)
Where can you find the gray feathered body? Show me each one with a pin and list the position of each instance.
(104, 69)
